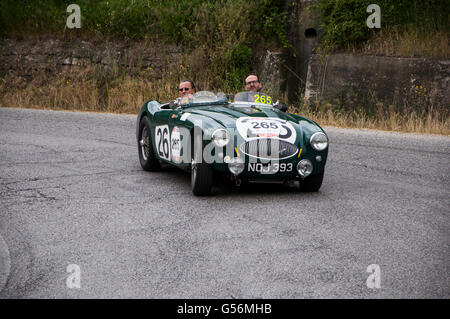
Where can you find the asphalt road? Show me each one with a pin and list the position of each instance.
(73, 192)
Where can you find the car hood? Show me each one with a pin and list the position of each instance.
(227, 115)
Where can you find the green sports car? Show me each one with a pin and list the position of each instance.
(245, 137)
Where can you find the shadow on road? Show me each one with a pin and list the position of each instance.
(224, 186)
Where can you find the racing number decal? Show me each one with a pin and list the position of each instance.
(266, 127)
(263, 99)
(264, 124)
(175, 145)
(162, 141)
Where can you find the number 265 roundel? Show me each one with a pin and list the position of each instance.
(265, 127)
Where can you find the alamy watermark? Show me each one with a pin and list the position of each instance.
(374, 20)
(74, 19)
(374, 279)
(74, 279)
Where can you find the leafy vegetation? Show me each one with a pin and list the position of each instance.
(344, 21)
(219, 33)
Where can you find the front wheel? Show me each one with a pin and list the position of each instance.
(147, 157)
(311, 183)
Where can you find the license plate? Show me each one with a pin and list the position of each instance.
(270, 168)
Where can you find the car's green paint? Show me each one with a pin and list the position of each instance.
(224, 115)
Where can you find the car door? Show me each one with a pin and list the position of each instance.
(180, 142)
(162, 132)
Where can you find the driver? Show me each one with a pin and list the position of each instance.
(186, 87)
(252, 83)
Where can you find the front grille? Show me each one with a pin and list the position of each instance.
(268, 148)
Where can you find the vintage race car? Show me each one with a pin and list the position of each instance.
(246, 138)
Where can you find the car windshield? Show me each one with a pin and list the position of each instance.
(203, 97)
(253, 98)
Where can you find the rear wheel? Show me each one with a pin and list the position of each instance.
(147, 157)
(201, 173)
(311, 183)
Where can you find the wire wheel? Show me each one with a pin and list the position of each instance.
(144, 143)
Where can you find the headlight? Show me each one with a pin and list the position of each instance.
(220, 137)
(236, 165)
(319, 141)
(304, 168)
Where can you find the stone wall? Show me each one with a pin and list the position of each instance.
(25, 58)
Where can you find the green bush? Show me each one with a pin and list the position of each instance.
(136, 18)
(272, 16)
(344, 21)
(222, 33)
(238, 61)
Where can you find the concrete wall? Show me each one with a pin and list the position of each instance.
(372, 81)
(272, 79)
(303, 19)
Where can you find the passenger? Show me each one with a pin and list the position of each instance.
(252, 83)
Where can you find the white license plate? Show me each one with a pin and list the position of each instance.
(270, 168)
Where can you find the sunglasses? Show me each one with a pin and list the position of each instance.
(185, 89)
(251, 82)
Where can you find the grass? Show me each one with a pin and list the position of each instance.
(112, 91)
(428, 121)
(400, 42)
(91, 89)
(408, 27)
